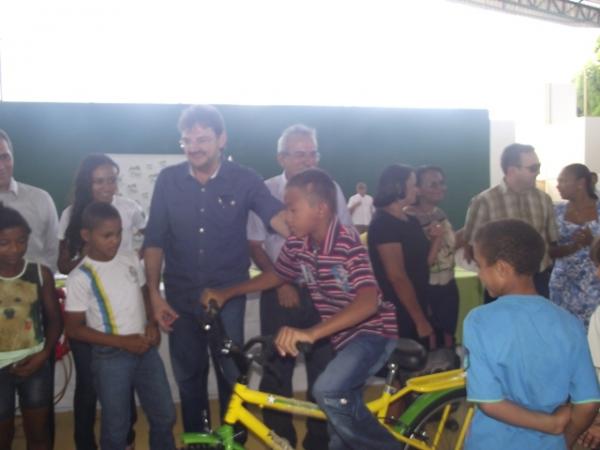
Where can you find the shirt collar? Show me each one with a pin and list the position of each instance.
(330, 238)
(212, 177)
(13, 187)
(506, 190)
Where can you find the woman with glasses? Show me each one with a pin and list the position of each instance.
(574, 284)
(95, 181)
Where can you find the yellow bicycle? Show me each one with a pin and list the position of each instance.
(437, 417)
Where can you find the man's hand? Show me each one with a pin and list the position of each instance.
(591, 437)
(287, 295)
(288, 337)
(135, 343)
(163, 313)
(29, 365)
(216, 295)
(152, 333)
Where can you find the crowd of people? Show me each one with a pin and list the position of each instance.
(529, 365)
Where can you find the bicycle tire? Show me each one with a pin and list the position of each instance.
(425, 421)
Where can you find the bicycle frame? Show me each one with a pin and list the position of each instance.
(433, 386)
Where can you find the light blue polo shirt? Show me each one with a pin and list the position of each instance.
(527, 350)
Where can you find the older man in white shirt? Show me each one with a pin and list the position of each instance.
(34, 204)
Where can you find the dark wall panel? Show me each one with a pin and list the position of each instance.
(356, 143)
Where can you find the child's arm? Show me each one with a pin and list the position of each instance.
(513, 414)
(52, 325)
(582, 416)
(262, 282)
(365, 304)
(76, 328)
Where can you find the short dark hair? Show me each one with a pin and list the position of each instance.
(98, 212)
(595, 251)
(317, 183)
(204, 115)
(4, 136)
(392, 184)
(11, 218)
(422, 170)
(513, 241)
(581, 171)
(511, 155)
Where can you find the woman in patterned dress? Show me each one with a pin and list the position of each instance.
(574, 284)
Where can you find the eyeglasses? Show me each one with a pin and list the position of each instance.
(304, 155)
(534, 168)
(187, 143)
(435, 185)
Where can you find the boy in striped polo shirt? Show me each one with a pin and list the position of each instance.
(329, 259)
(108, 306)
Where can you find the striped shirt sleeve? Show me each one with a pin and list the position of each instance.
(358, 266)
(287, 266)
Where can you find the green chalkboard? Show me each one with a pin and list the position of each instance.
(356, 143)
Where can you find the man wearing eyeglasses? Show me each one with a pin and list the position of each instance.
(290, 305)
(197, 225)
(516, 197)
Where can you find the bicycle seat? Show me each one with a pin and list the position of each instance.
(408, 355)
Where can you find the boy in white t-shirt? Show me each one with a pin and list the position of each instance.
(107, 306)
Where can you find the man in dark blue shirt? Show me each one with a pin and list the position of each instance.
(197, 226)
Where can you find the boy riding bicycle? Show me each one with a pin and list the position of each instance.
(330, 260)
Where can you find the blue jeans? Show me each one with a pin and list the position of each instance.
(116, 372)
(338, 391)
(34, 391)
(188, 345)
(84, 400)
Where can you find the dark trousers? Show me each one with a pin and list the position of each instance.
(84, 402)
(278, 380)
(189, 347)
(541, 281)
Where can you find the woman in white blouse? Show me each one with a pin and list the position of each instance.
(95, 181)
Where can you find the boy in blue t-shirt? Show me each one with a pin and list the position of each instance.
(528, 364)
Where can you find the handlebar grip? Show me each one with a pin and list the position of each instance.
(304, 347)
(212, 312)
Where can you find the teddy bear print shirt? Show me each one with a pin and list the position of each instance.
(21, 315)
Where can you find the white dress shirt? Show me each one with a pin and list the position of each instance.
(38, 209)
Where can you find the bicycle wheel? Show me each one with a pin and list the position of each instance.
(427, 415)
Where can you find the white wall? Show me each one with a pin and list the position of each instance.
(592, 143)
(502, 133)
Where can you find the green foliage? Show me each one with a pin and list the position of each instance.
(589, 76)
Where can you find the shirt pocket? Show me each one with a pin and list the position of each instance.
(228, 211)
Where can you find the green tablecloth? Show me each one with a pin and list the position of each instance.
(470, 291)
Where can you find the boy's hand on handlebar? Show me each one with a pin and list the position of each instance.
(288, 337)
(215, 295)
